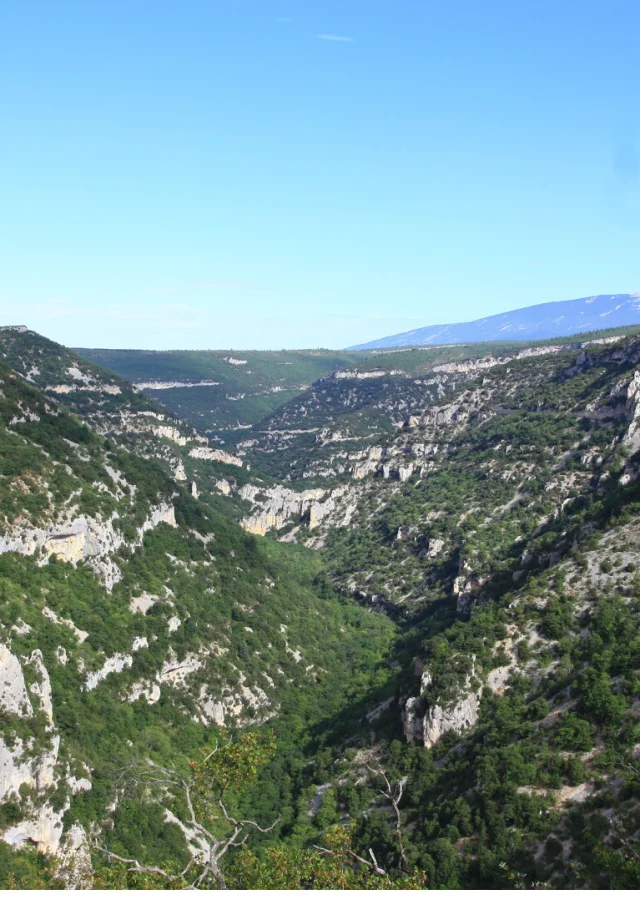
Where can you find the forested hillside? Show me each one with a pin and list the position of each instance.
(426, 674)
(137, 620)
(222, 391)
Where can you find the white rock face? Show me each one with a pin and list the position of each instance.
(631, 438)
(168, 433)
(143, 603)
(41, 689)
(232, 704)
(79, 785)
(173, 384)
(76, 374)
(497, 679)
(19, 763)
(148, 690)
(44, 830)
(13, 691)
(463, 715)
(429, 726)
(491, 361)
(212, 710)
(467, 587)
(411, 720)
(283, 505)
(74, 866)
(215, 455)
(21, 627)
(70, 540)
(86, 383)
(80, 635)
(174, 671)
(162, 513)
(364, 375)
(197, 845)
(369, 466)
(82, 539)
(112, 664)
(14, 769)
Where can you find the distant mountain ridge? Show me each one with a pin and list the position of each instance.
(544, 321)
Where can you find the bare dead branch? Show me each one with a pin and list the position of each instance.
(372, 865)
(394, 793)
(218, 748)
(242, 823)
(137, 867)
(214, 848)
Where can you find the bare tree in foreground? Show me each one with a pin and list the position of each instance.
(212, 831)
(393, 792)
(228, 766)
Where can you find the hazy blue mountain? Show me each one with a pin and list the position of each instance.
(596, 312)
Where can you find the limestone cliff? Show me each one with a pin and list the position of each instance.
(215, 455)
(83, 539)
(275, 507)
(31, 770)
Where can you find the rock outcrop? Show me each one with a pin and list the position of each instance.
(83, 539)
(631, 438)
(116, 663)
(166, 432)
(428, 723)
(73, 860)
(370, 464)
(13, 690)
(215, 455)
(29, 768)
(365, 375)
(429, 727)
(175, 384)
(278, 506)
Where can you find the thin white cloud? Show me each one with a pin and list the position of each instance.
(342, 38)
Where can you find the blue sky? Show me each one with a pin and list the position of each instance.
(303, 173)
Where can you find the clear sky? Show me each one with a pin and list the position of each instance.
(303, 173)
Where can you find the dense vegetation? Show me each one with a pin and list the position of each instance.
(242, 388)
(488, 562)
